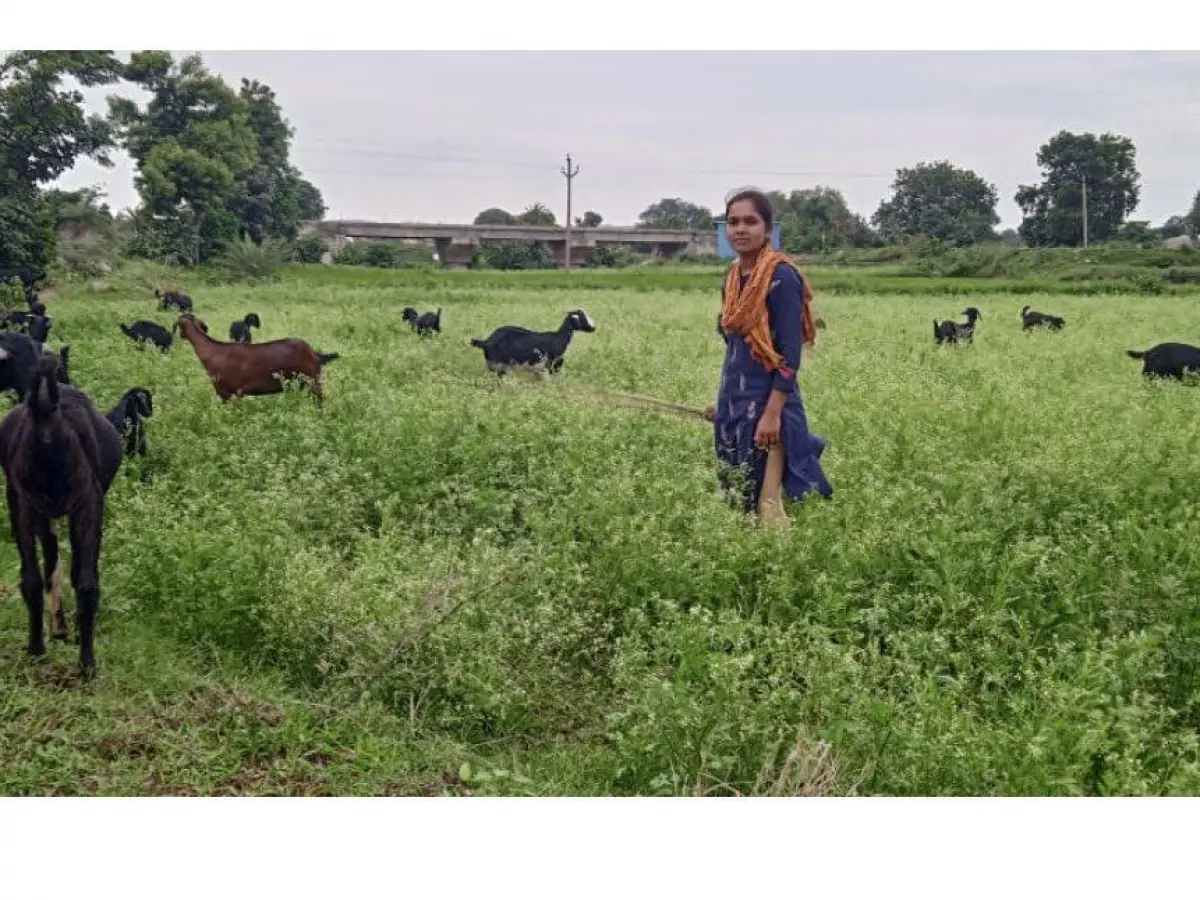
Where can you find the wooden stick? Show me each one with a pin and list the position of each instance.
(665, 405)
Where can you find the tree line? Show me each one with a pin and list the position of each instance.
(950, 204)
(213, 166)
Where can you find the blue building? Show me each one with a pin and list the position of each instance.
(724, 251)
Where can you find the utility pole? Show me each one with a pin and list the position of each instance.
(570, 175)
(1085, 215)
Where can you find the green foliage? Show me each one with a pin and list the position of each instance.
(27, 238)
(674, 213)
(495, 216)
(589, 219)
(990, 586)
(818, 220)
(608, 257)
(1054, 209)
(940, 201)
(537, 214)
(511, 255)
(384, 254)
(245, 259)
(308, 249)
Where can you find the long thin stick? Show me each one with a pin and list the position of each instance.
(665, 405)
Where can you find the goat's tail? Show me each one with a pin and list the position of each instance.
(326, 358)
(477, 342)
(43, 393)
(1136, 354)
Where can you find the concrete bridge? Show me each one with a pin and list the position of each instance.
(456, 243)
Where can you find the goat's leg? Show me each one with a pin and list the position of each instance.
(52, 575)
(317, 392)
(85, 578)
(25, 532)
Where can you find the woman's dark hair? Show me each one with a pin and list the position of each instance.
(762, 205)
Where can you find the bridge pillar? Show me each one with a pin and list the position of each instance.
(454, 254)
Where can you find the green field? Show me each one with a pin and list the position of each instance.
(438, 585)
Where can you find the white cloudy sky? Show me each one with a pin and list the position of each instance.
(407, 136)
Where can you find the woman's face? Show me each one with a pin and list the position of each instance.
(744, 227)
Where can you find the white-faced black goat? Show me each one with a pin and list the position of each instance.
(239, 332)
(1169, 360)
(511, 346)
(143, 332)
(128, 418)
(950, 332)
(1032, 319)
(60, 457)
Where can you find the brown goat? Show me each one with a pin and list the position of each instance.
(60, 457)
(245, 370)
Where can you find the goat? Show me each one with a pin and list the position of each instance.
(1169, 360)
(19, 358)
(427, 323)
(952, 332)
(512, 346)
(182, 302)
(135, 405)
(37, 307)
(410, 316)
(239, 332)
(143, 332)
(38, 328)
(244, 370)
(60, 457)
(1031, 319)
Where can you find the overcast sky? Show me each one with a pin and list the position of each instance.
(440, 136)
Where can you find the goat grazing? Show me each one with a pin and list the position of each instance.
(1031, 319)
(135, 405)
(182, 302)
(511, 346)
(244, 370)
(1169, 360)
(142, 333)
(60, 457)
(239, 332)
(952, 332)
(19, 358)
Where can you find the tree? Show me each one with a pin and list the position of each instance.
(537, 214)
(589, 220)
(1175, 226)
(941, 201)
(1054, 209)
(495, 216)
(45, 131)
(1193, 216)
(1010, 238)
(676, 214)
(818, 219)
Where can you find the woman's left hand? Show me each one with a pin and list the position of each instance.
(766, 433)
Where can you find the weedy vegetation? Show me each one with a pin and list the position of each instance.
(439, 584)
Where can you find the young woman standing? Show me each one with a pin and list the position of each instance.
(762, 439)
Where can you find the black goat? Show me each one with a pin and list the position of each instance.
(143, 332)
(60, 457)
(410, 316)
(428, 323)
(182, 302)
(1031, 319)
(1169, 360)
(512, 346)
(950, 332)
(38, 328)
(19, 358)
(240, 331)
(127, 417)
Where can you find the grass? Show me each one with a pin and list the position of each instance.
(441, 586)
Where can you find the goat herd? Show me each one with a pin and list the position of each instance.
(1165, 360)
(60, 455)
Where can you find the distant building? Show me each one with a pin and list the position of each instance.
(724, 251)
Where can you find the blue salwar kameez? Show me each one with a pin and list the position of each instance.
(745, 387)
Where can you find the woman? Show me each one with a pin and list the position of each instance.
(759, 425)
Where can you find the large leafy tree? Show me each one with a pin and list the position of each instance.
(44, 130)
(939, 200)
(537, 214)
(674, 213)
(819, 219)
(1054, 209)
(495, 216)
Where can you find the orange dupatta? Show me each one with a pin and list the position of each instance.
(744, 309)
